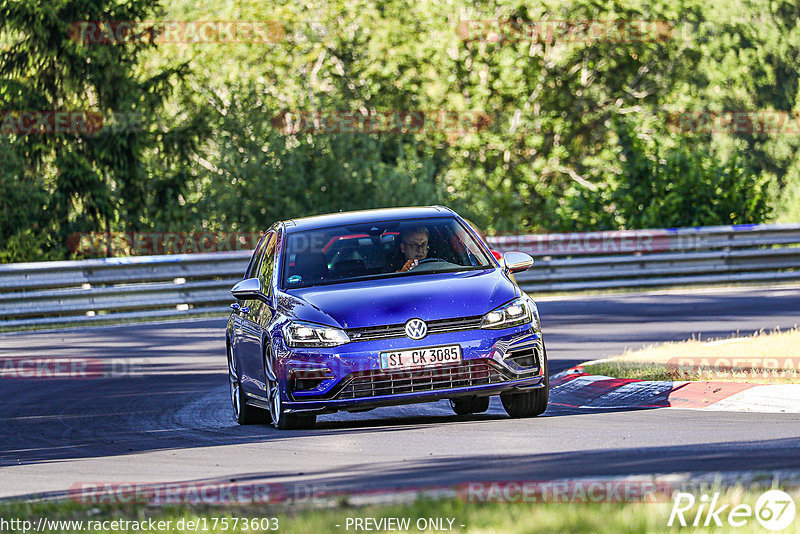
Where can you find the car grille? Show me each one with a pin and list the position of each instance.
(398, 330)
(376, 383)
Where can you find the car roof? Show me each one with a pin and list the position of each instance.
(366, 216)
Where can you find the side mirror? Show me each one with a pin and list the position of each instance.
(516, 262)
(249, 289)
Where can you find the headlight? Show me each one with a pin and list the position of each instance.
(299, 334)
(514, 313)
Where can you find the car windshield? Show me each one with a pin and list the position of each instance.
(379, 249)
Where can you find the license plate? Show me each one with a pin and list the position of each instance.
(421, 357)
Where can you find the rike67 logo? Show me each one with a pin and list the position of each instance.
(774, 510)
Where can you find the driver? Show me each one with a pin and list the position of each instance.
(414, 246)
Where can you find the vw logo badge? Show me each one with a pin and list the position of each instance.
(416, 328)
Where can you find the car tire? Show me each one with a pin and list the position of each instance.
(242, 412)
(277, 414)
(468, 405)
(528, 403)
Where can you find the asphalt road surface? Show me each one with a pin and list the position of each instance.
(165, 416)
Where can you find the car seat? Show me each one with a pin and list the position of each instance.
(310, 266)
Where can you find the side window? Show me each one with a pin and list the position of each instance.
(267, 264)
(252, 268)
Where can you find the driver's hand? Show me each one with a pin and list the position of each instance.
(410, 264)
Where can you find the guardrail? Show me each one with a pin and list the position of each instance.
(653, 258)
(75, 292)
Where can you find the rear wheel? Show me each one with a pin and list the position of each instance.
(278, 416)
(244, 414)
(468, 405)
(529, 403)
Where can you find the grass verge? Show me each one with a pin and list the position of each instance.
(764, 358)
(454, 514)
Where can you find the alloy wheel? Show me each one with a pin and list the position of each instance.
(279, 418)
(273, 392)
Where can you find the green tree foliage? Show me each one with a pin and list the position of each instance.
(557, 99)
(261, 174)
(86, 180)
(684, 186)
(575, 129)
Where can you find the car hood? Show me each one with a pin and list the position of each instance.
(396, 300)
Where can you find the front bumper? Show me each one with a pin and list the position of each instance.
(349, 377)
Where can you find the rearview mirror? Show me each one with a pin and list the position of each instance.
(249, 289)
(517, 262)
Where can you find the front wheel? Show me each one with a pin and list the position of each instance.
(529, 403)
(468, 405)
(278, 416)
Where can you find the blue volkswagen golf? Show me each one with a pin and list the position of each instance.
(352, 311)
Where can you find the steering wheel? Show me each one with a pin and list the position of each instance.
(428, 260)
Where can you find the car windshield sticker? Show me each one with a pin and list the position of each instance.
(295, 279)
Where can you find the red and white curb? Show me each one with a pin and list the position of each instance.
(576, 389)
